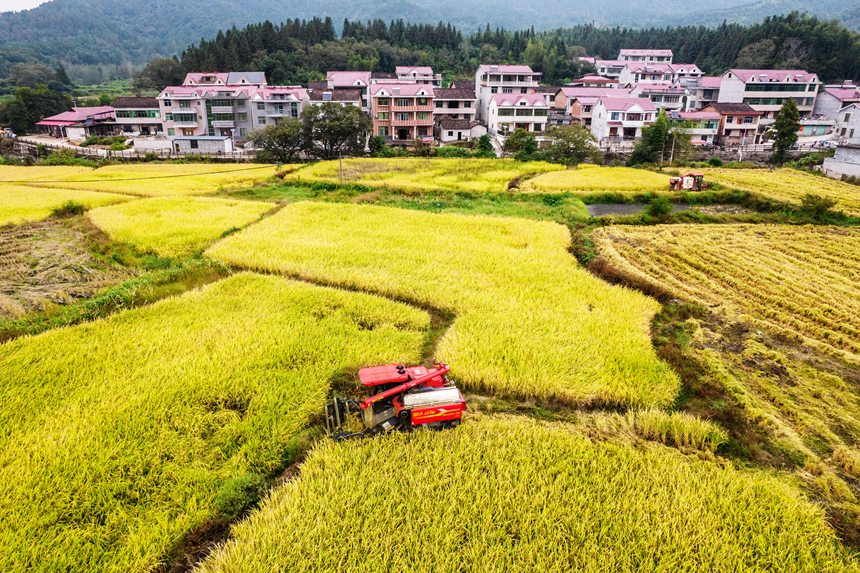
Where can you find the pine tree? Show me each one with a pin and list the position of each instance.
(785, 130)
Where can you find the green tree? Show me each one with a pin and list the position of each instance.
(278, 143)
(784, 130)
(515, 141)
(158, 74)
(62, 76)
(376, 144)
(31, 105)
(331, 130)
(653, 142)
(484, 147)
(573, 144)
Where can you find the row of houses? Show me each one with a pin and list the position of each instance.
(410, 103)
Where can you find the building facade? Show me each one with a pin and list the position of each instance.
(621, 119)
(274, 103)
(402, 112)
(767, 90)
(137, 115)
(651, 56)
(501, 79)
(455, 103)
(509, 111)
(419, 75)
(739, 123)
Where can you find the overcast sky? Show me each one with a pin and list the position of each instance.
(18, 5)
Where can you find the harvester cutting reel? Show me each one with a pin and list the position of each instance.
(401, 398)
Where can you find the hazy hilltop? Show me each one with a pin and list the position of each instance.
(105, 32)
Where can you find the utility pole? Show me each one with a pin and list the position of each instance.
(672, 155)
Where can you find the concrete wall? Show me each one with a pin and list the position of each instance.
(731, 89)
(836, 168)
(827, 105)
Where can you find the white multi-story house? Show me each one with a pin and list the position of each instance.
(617, 119)
(273, 103)
(501, 79)
(509, 111)
(651, 56)
(640, 73)
(343, 97)
(665, 96)
(418, 75)
(455, 103)
(766, 90)
(577, 103)
(610, 68)
(848, 122)
(138, 115)
(833, 98)
(703, 90)
(702, 126)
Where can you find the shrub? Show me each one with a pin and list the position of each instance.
(659, 207)
(67, 157)
(816, 205)
(150, 156)
(450, 151)
(69, 208)
(715, 162)
(240, 494)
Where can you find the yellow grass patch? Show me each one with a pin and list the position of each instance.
(530, 321)
(118, 436)
(175, 226)
(20, 204)
(38, 173)
(515, 495)
(415, 174)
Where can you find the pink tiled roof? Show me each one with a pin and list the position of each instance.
(649, 67)
(623, 104)
(611, 63)
(81, 113)
(348, 79)
(586, 59)
(685, 67)
(662, 88)
(507, 69)
(402, 70)
(699, 115)
(268, 92)
(515, 99)
(711, 82)
(595, 78)
(209, 91)
(843, 93)
(403, 89)
(587, 100)
(629, 52)
(196, 77)
(572, 92)
(781, 75)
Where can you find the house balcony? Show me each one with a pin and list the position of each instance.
(280, 113)
(223, 124)
(412, 122)
(189, 109)
(499, 83)
(222, 109)
(413, 108)
(184, 124)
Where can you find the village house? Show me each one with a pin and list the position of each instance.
(402, 112)
(703, 90)
(501, 79)
(137, 115)
(80, 122)
(455, 103)
(217, 110)
(517, 111)
(739, 122)
(418, 75)
(664, 96)
(576, 103)
(639, 73)
(593, 81)
(343, 97)
(610, 69)
(848, 122)
(351, 80)
(646, 55)
(547, 91)
(451, 130)
(621, 119)
(767, 90)
(833, 98)
(273, 103)
(702, 126)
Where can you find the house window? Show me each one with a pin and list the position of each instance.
(439, 104)
(261, 120)
(167, 103)
(261, 107)
(494, 90)
(382, 101)
(242, 116)
(748, 120)
(243, 132)
(851, 134)
(383, 115)
(168, 117)
(506, 112)
(171, 131)
(844, 129)
(540, 113)
(847, 117)
(383, 131)
(403, 102)
(422, 115)
(730, 119)
(614, 116)
(507, 90)
(422, 101)
(187, 131)
(450, 134)
(240, 103)
(422, 132)
(634, 117)
(193, 143)
(467, 104)
(402, 117)
(524, 112)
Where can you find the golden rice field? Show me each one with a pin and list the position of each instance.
(589, 179)
(19, 173)
(432, 174)
(159, 180)
(175, 226)
(118, 436)
(799, 281)
(501, 495)
(21, 204)
(530, 321)
(789, 185)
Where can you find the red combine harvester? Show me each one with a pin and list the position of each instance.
(401, 398)
(689, 182)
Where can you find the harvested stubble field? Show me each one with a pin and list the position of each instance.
(21, 204)
(161, 180)
(517, 495)
(120, 436)
(175, 226)
(530, 322)
(593, 179)
(789, 185)
(47, 264)
(432, 174)
(799, 281)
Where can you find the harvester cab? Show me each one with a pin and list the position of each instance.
(400, 398)
(689, 182)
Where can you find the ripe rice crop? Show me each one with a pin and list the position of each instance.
(38, 172)
(159, 180)
(595, 179)
(789, 185)
(479, 175)
(118, 436)
(21, 204)
(799, 281)
(175, 226)
(514, 495)
(530, 321)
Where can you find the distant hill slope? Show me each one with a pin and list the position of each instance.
(91, 32)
